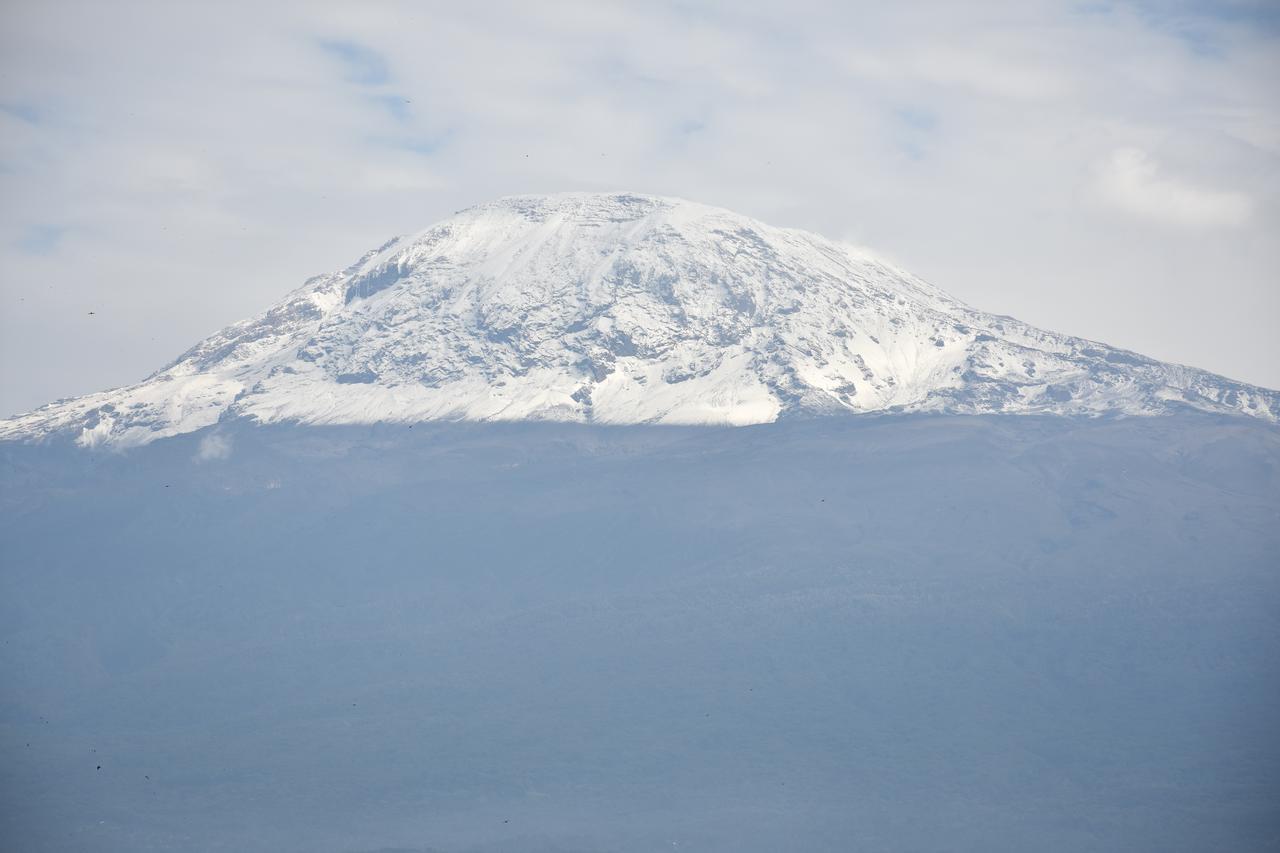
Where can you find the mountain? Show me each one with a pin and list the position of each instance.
(625, 309)
(583, 606)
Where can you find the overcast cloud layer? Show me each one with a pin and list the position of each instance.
(1102, 169)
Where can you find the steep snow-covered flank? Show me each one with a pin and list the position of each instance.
(625, 309)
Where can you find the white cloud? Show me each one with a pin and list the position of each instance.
(213, 447)
(1132, 181)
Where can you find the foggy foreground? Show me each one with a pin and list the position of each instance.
(891, 633)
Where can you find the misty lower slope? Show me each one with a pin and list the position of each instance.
(900, 633)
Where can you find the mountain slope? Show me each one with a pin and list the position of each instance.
(625, 309)
(899, 633)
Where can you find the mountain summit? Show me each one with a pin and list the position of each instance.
(624, 309)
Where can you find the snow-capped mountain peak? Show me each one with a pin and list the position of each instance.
(623, 308)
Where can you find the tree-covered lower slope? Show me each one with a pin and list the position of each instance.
(896, 633)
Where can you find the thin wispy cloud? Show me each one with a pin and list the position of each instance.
(1132, 181)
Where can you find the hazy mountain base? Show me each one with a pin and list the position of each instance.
(888, 633)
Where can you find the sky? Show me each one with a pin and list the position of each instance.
(1104, 169)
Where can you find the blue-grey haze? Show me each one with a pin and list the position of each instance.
(884, 633)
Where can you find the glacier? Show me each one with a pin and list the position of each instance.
(625, 309)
